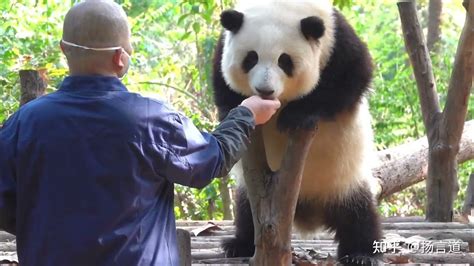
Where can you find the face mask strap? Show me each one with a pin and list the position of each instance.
(100, 49)
(91, 48)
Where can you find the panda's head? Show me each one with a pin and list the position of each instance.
(277, 49)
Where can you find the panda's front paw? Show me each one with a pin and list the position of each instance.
(288, 121)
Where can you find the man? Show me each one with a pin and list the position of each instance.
(87, 172)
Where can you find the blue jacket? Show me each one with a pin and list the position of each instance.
(87, 173)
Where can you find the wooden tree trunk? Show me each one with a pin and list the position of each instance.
(273, 196)
(32, 85)
(444, 129)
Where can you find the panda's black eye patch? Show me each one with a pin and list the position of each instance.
(250, 60)
(286, 64)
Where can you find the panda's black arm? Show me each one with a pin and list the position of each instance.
(224, 98)
(342, 83)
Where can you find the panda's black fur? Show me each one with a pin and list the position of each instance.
(343, 82)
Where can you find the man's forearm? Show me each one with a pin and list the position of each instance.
(233, 136)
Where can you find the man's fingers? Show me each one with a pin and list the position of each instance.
(275, 104)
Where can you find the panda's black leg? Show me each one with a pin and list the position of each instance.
(242, 245)
(357, 226)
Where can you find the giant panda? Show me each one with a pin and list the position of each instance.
(307, 55)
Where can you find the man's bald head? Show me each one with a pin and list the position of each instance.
(97, 24)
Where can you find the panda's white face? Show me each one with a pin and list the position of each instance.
(269, 54)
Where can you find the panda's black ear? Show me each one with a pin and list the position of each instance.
(232, 20)
(312, 27)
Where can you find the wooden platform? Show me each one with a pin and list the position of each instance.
(407, 240)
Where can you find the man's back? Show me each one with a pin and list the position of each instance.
(86, 178)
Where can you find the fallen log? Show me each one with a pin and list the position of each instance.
(407, 164)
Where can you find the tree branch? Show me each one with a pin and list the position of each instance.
(421, 61)
(455, 111)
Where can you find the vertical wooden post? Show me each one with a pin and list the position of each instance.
(32, 85)
(184, 247)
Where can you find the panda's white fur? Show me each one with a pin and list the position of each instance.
(280, 28)
(342, 152)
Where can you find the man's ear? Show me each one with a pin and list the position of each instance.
(61, 45)
(117, 58)
(64, 49)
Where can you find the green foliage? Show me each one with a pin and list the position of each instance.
(28, 40)
(342, 3)
(174, 41)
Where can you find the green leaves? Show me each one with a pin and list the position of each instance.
(342, 3)
(28, 40)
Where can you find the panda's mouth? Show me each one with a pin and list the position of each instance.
(268, 97)
(266, 93)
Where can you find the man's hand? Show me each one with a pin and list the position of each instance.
(262, 109)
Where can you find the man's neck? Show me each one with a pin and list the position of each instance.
(76, 72)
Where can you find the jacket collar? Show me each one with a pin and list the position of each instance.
(96, 83)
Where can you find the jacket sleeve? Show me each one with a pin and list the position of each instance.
(193, 158)
(8, 137)
(233, 136)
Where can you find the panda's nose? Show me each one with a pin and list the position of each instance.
(263, 91)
